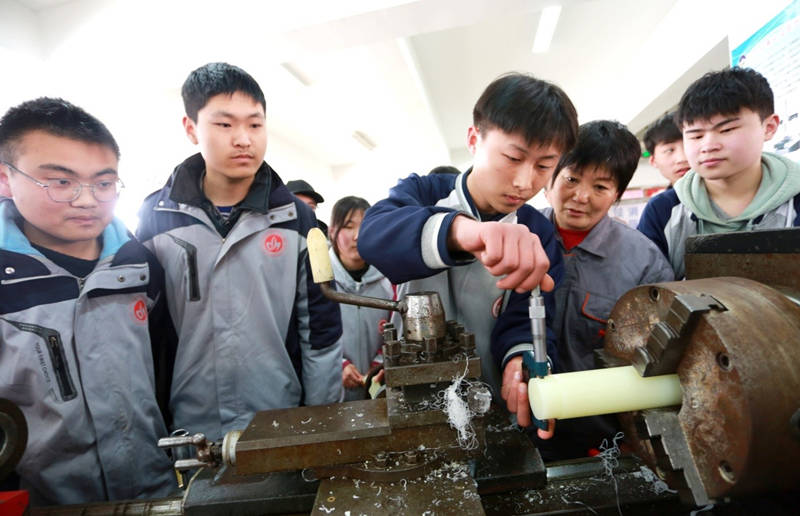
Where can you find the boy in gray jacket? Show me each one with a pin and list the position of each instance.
(81, 313)
(255, 331)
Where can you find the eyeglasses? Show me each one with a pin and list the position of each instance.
(68, 190)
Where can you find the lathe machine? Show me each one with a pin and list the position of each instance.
(730, 334)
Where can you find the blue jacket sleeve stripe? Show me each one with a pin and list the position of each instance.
(394, 226)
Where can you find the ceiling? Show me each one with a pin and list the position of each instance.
(404, 74)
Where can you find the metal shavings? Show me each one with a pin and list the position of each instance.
(658, 485)
(609, 453)
(578, 503)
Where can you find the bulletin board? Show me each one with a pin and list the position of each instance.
(774, 51)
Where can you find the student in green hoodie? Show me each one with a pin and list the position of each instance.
(725, 118)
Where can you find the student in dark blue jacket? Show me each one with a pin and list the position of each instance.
(456, 234)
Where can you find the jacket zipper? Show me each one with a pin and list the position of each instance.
(191, 267)
(58, 358)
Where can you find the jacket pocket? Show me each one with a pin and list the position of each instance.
(193, 292)
(57, 355)
(595, 310)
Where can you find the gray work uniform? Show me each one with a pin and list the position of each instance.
(76, 357)
(255, 332)
(361, 342)
(612, 259)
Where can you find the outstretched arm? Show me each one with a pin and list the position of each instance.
(509, 250)
(407, 236)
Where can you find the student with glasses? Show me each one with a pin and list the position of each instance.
(64, 189)
(84, 330)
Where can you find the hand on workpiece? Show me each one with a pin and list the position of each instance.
(504, 249)
(351, 378)
(515, 392)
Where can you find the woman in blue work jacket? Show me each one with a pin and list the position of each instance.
(603, 259)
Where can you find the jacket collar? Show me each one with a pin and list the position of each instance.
(597, 239)
(464, 196)
(187, 180)
(115, 235)
(466, 201)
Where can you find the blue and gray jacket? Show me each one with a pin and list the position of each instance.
(361, 342)
(77, 357)
(668, 223)
(405, 237)
(255, 331)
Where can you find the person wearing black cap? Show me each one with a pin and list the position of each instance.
(306, 193)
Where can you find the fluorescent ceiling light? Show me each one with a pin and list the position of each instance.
(364, 140)
(546, 29)
(297, 74)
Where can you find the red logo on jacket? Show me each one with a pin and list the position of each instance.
(273, 243)
(140, 311)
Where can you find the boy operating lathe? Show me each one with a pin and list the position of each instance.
(664, 141)
(255, 331)
(454, 234)
(725, 118)
(81, 308)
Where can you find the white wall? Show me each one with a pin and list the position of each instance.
(19, 27)
(147, 124)
(20, 54)
(292, 162)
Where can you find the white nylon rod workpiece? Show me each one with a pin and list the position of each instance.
(321, 269)
(600, 391)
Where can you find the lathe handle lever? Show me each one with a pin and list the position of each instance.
(208, 452)
(181, 440)
(322, 273)
(185, 464)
